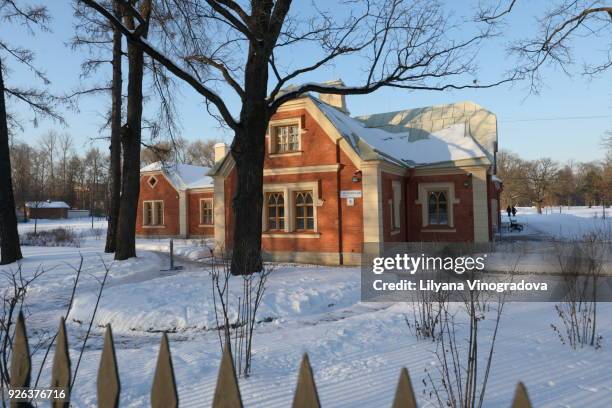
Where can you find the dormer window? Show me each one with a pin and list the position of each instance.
(286, 138)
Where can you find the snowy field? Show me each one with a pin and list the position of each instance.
(563, 222)
(356, 349)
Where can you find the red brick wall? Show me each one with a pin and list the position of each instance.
(47, 213)
(193, 215)
(463, 211)
(317, 149)
(163, 190)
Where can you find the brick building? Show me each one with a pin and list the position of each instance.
(333, 182)
(46, 209)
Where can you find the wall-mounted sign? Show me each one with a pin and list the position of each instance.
(350, 194)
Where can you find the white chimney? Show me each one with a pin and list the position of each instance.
(220, 151)
(338, 101)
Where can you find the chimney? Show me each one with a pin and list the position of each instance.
(220, 151)
(338, 101)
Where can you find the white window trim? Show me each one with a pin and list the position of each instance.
(265, 210)
(288, 190)
(270, 136)
(212, 206)
(154, 213)
(154, 184)
(424, 189)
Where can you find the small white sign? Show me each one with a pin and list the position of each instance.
(350, 201)
(350, 194)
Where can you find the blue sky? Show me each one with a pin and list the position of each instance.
(565, 121)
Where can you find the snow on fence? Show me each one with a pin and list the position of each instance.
(164, 391)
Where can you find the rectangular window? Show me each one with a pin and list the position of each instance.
(396, 205)
(304, 211)
(206, 211)
(286, 138)
(153, 213)
(275, 210)
(147, 215)
(437, 205)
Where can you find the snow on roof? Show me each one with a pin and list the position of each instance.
(182, 176)
(407, 146)
(47, 204)
(481, 124)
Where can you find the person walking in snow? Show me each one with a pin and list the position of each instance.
(509, 211)
(513, 211)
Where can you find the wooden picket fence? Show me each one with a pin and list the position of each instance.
(164, 392)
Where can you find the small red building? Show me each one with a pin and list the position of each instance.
(333, 182)
(47, 209)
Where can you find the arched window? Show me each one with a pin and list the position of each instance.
(438, 208)
(304, 211)
(275, 203)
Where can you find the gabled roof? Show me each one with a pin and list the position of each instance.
(47, 204)
(479, 124)
(456, 134)
(182, 176)
(405, 145)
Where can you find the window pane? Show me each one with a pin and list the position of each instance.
(271, 223)
(281, 224)
(433, 217)
(281, 211)
(272, 212)
(310, 223)
(299, 223)
(280, 199)
(300, 211)
(443, 217)
(309, 211)
(308, 198)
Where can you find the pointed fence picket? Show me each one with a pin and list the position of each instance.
(164, 390)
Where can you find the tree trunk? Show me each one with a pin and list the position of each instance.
(10, 251)
(115, 144)
(247, 203)
(248, 152)
(130, 186)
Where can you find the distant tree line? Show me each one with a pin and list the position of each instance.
(179, 150)
(51, 169)
(544, 182)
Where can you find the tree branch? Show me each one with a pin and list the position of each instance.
(166, 62)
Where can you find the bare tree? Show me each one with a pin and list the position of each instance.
(101, 40)
(160, 151)
(137, 23)
(202, 153)
(410, 45)
(115, 142)
(540, 176)
(563, 22)
(41, 104)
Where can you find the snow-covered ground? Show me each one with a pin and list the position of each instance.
(563, 222)
(356, 349)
